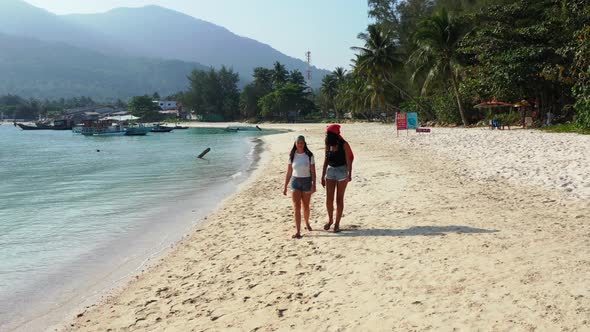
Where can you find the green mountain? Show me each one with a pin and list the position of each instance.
(154, 31)
(119, 53)
(22, 19)
(34, 68)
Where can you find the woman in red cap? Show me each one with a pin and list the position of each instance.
(301, 175)
(336, 173)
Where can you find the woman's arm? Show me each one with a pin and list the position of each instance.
(313, 176)
(348, 154)
(287, 178)
(323, 180)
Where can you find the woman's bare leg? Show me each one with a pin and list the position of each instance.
(305, 199)
(296, 195)
(330, 188)
(341, 189)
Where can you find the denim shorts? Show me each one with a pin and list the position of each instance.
(338, 173)
(301, 184)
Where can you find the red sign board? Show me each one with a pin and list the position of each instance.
(401, 120)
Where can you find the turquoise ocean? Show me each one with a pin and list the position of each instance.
(80, 214)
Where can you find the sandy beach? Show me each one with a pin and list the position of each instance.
(460, 229)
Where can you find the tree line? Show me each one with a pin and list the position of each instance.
(16, 107)
(213, 95)
(274, 94)
(440, 58)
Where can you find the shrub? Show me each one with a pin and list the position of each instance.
(445, 108)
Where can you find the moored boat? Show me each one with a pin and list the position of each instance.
(27, 127)
(102, 128)
(62, 125)
(77, 129)
(57, 125)
(136, 130)
(104, 131)
(161, 129)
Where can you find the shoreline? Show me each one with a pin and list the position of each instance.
(80, 295)
(445, 250)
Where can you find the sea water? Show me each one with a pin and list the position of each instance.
(78, 214)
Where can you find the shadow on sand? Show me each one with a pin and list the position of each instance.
(353, 231)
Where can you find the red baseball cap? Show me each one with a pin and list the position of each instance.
(335, 128)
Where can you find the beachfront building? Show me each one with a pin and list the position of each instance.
(170, 114)
(167, 105)
(172, 109)
(92, 113)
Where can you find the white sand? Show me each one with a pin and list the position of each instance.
(434, 239)
(554, 161)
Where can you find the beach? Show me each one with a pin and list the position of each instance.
(459, 229)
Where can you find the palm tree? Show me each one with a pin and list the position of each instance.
(339, 73)
(329, 90)
(279, 75)
(263, 78)
(377, 61)
(338, 78)
(354, 95)
(296, 77)
(437, 39)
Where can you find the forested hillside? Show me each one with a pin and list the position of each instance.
(33, 68)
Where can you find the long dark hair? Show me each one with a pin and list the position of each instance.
(333, 139)
(307, 151)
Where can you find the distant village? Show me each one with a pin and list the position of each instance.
(169, 109)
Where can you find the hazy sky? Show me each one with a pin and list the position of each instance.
(325, 27)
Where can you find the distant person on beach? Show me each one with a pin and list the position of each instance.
(301, 174)
(336, 173)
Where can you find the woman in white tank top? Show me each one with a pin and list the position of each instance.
(301, 175)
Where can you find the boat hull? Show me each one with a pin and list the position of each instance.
(25, 127)
(138, 131)
(161, 129)
(98, 131)
(122, 133)
(43, 127)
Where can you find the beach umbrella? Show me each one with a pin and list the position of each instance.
(493, 104)
(522, 103)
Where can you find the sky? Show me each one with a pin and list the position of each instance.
(327, 28)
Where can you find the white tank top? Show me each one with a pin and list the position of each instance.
(301, 165)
